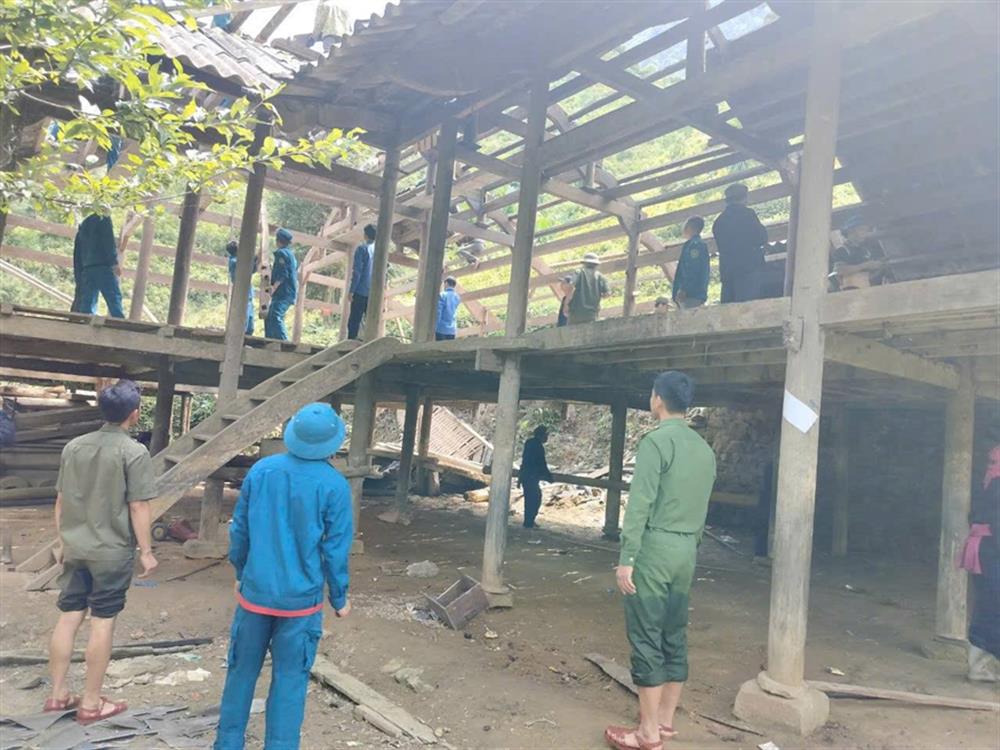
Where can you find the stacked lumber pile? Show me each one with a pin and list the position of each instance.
(45, 418)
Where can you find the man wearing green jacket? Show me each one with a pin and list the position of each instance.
(664, 522)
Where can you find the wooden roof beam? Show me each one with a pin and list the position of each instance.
(866, 354)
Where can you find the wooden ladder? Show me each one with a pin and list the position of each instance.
(196, 454)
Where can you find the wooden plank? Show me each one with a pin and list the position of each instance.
(182, 260)
(839, 690)
(613, 499)
(325, 672)
(866, 354)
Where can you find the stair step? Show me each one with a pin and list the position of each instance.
(173, 459)
(258, 399)
(203, 438)
(232, 417)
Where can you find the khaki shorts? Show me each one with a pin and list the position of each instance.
(97, 585)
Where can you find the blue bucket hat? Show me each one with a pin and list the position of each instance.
(315, 432)
(284, 235)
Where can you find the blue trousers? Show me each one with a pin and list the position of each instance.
(274, 323)
(250, 314)
(293, 642)
(99, 280)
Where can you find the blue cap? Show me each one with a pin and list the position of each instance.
(315, 432)
(285, 235)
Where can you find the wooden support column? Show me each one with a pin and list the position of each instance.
(840, 438)
(508, 396)
(632, 266)
(300, 306)
(780, 694)
(163, 411)
(182, 260)
(790, 177)
(362, 426)
(406, 451)
(613, 497)
(142, 268)
(383, 241)
(951, 620)
(424, 474)
(186, 404)
(432, 257)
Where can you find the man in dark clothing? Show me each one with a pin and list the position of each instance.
(95, 267)
(740, 238)
(361, 282)
(533, 470)
(690, 286)
(566, 289)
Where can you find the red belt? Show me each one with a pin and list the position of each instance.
(258, 610)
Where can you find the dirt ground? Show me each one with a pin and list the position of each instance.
(516, 678)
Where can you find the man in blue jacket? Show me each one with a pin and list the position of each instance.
(291, 533)
(284, 286)
(448, 302)
(691, 279)
(232, 248)
(361, 282)
(95, 267)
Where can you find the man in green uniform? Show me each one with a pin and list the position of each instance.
(589, 287)
(664, 521)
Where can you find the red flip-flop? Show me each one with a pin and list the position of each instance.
(667, 733)
(87, 716)
(61, 704)
(615, 737)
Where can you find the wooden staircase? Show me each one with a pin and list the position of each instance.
(195, 455)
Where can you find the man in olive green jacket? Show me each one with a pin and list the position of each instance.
(664, 522)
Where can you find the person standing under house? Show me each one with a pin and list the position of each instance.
(534, 469)
(446, 327)
(232, 247)
(101, 513)
(662, 528)
(361, 282)
(690, 287)
(284, 286)
(95, 267)
(291, 533)
(589, 288)
(740, 238)
(981, 558)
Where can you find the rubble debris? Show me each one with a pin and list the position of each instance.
(410, 676)
(843, 690)
(422, 569)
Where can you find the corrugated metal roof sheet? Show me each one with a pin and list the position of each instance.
(233, 57)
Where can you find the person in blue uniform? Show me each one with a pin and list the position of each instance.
(291, 534)
(284, 286)
(361, 282)
(690, 288)
(448, 302)
(232, 248)
(95, 267)
(534, 469)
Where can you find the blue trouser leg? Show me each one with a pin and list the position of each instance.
(101, 280)
(274, 324)
(85, 298)
(249, 639)
(250, 312)
(293, 649)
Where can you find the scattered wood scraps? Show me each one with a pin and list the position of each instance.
(844, 690)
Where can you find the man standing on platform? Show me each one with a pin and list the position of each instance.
(740, 238)
(589, 288)
(534, 469)
(664, 522)
(690, 286)
(284, 286)
(291, 534)
(232, 247)
(448, 302)
(95, 267)
(361, 282)
(102, 513)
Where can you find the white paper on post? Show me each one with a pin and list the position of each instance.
(798, 413)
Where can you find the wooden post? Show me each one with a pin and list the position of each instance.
(300, 306)
(804, 370)
(210, 527)
(790, 176)
(632, 266)
(163, 411)
(142, 268)
(345, 301)
(695, 55)
(950, 619)
(383, 240)
(429, 281)
(362, 425)
(406, 450)
(508, 395)
(840, 437)
(232, 359)
(182, 260)
(424, 447)
(185, 412)
(613, 496)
